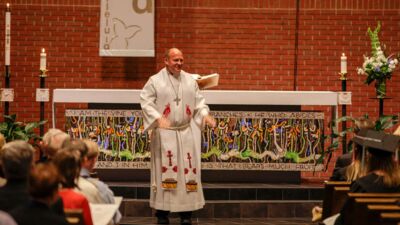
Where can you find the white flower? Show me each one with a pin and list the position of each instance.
(382, 58)
(360, 71)
(365, 64)
(379, 53)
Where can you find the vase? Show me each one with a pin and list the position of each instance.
(380, 88)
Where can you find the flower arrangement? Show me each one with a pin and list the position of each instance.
(378, 67)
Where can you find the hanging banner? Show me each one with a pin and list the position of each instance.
(127, 28)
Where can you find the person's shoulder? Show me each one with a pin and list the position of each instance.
(98, 183)
(156, 77)
(366, 183)
(158, 74)
(84, 183)
(71, 194)
(189, 76)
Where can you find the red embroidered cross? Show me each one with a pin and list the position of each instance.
(167, 110)
(169, 155)
(190, 162)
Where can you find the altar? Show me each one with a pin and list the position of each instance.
(257, 131)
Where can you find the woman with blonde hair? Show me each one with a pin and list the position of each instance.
(348, 166)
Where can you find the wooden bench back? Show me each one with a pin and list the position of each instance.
(74, 216)
(335, 194)
(365, 208)
(390, 218)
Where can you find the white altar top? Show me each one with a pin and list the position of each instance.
(213, 97)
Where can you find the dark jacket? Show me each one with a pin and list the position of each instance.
(37, 213)
(13, 194)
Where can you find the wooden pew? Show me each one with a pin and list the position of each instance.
(74, 216)
(374, 195)
(374, 213)
(371, 217)
(357, 209)
(390, 218)
(334, 197)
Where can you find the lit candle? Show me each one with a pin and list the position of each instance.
(43, 60)
(8, 34)
(343, 64)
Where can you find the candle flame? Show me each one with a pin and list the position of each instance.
(43, 51)
(8, 6)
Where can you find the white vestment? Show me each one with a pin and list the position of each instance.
(159, 97)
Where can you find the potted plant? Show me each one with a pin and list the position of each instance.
(378, 67)
(15, 130)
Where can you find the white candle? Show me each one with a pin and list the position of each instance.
(43, 60)
(8, 34)
(343, 64)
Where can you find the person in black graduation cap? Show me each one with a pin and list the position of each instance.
(348, 166)
(382, 171)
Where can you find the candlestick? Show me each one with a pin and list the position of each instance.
(43, 60)
(343, 63)
(8, 35)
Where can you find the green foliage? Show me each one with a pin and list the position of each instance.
(373, 35)
(386, 122)
(292, 156)
(126, 154)
(381, 124)
(14, 130)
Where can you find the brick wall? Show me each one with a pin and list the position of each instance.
(251, 44)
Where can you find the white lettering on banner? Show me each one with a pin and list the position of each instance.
(219, 166)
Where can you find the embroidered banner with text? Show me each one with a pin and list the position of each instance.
(241, 140)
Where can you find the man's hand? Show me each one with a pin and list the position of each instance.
(209, 120)
(163, 122)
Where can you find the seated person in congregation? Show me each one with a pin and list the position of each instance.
(68, 165)
(52, 141)
(84, 186)
(382, 171)
(16, 159)
(43, 188)
(105, 192)
(347, 166)
(2, 143)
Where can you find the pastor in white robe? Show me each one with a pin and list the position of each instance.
(158, 98)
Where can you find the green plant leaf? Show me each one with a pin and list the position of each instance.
(20, 135)
(16, 130)
(386, 122)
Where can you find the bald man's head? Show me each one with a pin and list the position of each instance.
(174, 61)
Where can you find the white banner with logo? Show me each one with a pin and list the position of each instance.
(127, 28)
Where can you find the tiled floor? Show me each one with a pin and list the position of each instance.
(221, 221)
